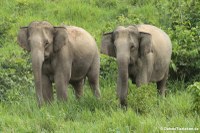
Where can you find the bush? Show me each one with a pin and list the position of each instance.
(186, 52)
(139, 2)
(5, 27)
(194, 89)
(106, 3)
(15, 77)
(181, 20)
(142, 99)
(108, 69)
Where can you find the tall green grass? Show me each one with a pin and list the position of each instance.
(91, 115)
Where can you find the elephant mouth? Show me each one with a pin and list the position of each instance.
(46, 56)
(47, 66)
(132, 63)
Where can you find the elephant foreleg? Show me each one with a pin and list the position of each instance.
(61, 85)
(47, 90)
(161, 85)
(78, 87)
(145, 70)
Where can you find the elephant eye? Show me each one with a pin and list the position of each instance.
(46, 43)
(132, 47)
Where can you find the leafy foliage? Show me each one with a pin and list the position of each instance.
(143, 99)
(106, 3)
(108, 69)
(183, 27)
(195, 90)
(15, 77)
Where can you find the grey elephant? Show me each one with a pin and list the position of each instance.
(143, 54)
(61, 55)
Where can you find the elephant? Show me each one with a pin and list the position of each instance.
(62, 55)
(143, 54)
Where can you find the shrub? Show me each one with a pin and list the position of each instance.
(194, 89)
(186, 51)
(5, 26)
(108, 69)
(142, 99)
(139, 2)
(181, 20)
(15, 77)
(106, 3)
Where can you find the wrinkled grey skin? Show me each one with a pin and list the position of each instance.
(62, 55)
(143, 54)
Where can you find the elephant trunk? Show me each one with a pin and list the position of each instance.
(37, 61)
(122, 84)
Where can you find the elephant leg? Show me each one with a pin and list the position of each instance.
(47, 90)
(145, 71)
(61, 84)
(93, 78)
(78, 87)
(161, 85)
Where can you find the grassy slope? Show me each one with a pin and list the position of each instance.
(88, 115)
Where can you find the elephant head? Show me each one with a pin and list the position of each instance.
(127, 44)
(39, 39)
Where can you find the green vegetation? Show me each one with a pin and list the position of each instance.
(146, 112)
(195, 90)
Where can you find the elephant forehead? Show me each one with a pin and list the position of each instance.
(120, 28)
(121, 33)
(40, 25)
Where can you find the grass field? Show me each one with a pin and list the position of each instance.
(146, 112)
(104, 115)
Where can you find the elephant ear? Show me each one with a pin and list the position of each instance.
(145, 43)
(107, 45)
(22, 38)
(60, 37)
